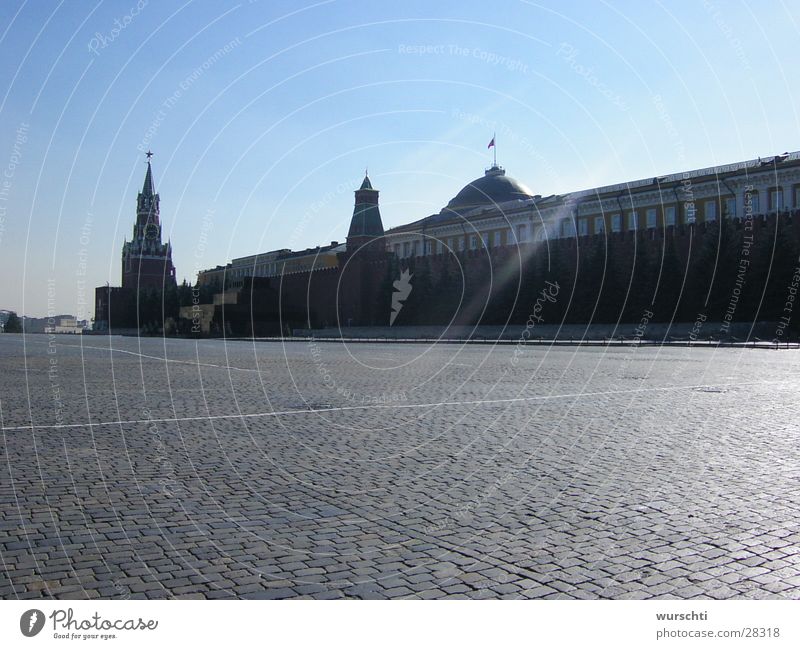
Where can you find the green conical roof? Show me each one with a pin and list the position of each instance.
(366, 221)
(147, 188)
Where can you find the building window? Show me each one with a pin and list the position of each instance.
(730, 208)
(583, 227)
(522, 232)
(616, 222)
(710, 211)
(485, 239)
(439, 247)
(750, 203)
(797, 196)
(669, 215)
(650, 218)
(397, 249)
(461, 243)
(498, 239)
(776, 199)
(632, 221)
(689, 215)
(599, 224)
(429, 247)
(473, 242)
(567, 228)
(406, 249)
(414, 248)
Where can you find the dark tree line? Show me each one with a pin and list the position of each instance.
(710, 271)
(148, 309)
(13, 324)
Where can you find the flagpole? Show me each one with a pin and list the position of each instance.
(494, 148)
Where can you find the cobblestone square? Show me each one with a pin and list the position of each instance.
(149, 468)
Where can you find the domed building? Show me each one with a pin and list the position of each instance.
(492, 189)
(499, 216)
(493, 210)
(496, 210)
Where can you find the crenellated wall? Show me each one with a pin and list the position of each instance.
(730, 272)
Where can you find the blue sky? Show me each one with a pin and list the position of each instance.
(263, 115)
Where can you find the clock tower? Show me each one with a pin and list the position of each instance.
(146, 261)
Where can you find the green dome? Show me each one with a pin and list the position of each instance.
(492, 188)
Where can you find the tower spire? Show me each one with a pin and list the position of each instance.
(147, 188)
(146, 261)
(146, 203)
(366, 184)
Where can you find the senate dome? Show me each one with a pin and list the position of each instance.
(492, 188)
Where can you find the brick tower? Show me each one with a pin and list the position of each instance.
(364, 263)
(146, 262)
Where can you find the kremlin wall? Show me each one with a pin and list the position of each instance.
(706, 253)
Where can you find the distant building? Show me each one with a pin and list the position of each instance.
(147, 267)
(496, 210)
(68, 325)
(146, 261)
(267, 293)
(274, 263)
(483, 256)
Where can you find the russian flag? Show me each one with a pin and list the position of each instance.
(491, 144)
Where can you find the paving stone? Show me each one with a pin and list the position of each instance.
(272, 593)
(387, 502)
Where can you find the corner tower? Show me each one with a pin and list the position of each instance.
(362, 300)
(146, 261)
(366, 228)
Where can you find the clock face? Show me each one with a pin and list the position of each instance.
(151, 231)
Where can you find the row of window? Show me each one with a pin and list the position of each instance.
(260, 270)
(459, 244)
(633, 222)
(629, 221)
(269, 270)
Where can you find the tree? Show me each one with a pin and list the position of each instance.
(505, 288)
(641, 279)
(668, 288)
(13, 324)
(592, 267)
(447, 288)
(185, 296)
(773, 264)
(420, 302)
(382, 310)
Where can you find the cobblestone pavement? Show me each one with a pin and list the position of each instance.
(237, 470)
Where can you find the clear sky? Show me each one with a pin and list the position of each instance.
(263, 115)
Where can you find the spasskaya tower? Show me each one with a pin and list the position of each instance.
(146, 261)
